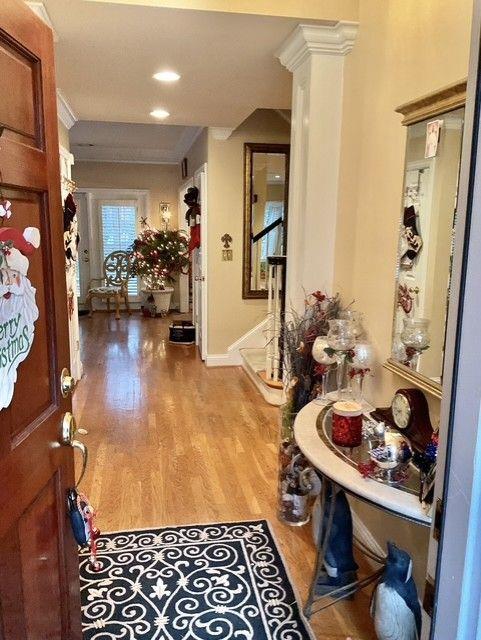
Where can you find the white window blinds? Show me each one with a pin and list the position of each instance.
(119, 230)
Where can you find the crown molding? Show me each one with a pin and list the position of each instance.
(64, 111)
(39, 10)
(221, 133)
(308, 39)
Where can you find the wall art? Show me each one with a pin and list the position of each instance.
(18, 308)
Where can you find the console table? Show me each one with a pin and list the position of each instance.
(338, 472)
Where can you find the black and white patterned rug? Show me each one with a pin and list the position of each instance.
(217, 581)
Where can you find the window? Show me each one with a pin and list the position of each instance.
(119, 230)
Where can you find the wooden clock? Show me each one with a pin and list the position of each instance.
(408, 413)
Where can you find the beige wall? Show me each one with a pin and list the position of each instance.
(63, 136)
(390, 64)
(162, 180)
(230, 316)
(316, 9)
(404, 50)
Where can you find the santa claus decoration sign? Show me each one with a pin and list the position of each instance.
(18, 309)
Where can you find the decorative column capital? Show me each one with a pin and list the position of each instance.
(310, 39)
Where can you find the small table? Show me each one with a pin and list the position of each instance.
(338, 470)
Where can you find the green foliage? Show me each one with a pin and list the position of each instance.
(158, 255)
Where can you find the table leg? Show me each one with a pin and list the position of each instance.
(322, 540)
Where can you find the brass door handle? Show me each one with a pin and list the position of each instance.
(68, 430)
(67, 383)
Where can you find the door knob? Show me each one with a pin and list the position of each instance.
(68, 430)
(67, 383)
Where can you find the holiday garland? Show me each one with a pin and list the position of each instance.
(158, 255)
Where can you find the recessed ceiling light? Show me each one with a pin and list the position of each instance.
(277, 177)
(166, 76)
(160, 114)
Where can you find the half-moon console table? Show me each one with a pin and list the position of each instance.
(337, 473)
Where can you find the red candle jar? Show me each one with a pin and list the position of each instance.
(347, 424)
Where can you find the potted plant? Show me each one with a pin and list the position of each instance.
(156, 257)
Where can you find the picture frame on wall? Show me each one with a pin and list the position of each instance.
(184, 168)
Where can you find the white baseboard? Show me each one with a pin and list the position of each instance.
(221, 360)
(276, 397)
(253, 339)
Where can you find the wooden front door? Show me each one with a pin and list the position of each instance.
(39, 592)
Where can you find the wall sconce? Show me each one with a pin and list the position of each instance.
(165, 213)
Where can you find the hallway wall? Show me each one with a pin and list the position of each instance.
(63, 136)
(230, 317)
(404, 50)
(162, 180)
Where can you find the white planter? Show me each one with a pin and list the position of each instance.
(162, 298)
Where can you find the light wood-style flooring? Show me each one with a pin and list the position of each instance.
(173, 442)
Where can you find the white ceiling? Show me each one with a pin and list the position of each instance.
(107, 53)
(124, 142)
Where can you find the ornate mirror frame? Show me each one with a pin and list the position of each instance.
(434, 104)
(249, 149)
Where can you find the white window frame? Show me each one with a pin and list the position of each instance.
(118, 203)
(94, 197)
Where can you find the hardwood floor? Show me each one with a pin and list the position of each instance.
(174, 442)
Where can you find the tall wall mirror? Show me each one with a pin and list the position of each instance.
(426, 232)
(266, 175)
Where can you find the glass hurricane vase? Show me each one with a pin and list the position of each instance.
(415, 338)
(362, 361)
(341, 339)
(326, 363)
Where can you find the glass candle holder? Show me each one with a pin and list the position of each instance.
(356, 318)
(415, 337)
(328, 362)
(361, 364)
(341, 338)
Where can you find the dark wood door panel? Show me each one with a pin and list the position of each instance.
(39, 590)
(16, 113)
(41, 566)
(22, 166)
(32, 607)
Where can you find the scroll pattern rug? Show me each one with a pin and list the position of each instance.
(217, 581)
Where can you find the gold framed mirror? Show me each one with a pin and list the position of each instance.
(426, 232)
(266, 178)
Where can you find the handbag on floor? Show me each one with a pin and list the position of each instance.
(82, 516)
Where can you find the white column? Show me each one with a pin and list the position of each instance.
(315, 56)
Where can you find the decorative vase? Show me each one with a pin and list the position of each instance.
(162, 299)
(295, 487)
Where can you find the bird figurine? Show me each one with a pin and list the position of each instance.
(395, 605)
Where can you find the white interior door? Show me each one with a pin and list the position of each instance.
(199, 267)
(83, 248)
(184, 292)
(71, 271)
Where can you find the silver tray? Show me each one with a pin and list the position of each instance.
(405, 478)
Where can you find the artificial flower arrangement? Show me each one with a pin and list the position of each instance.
(297, 483)
(158, 255)
(299, 331)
